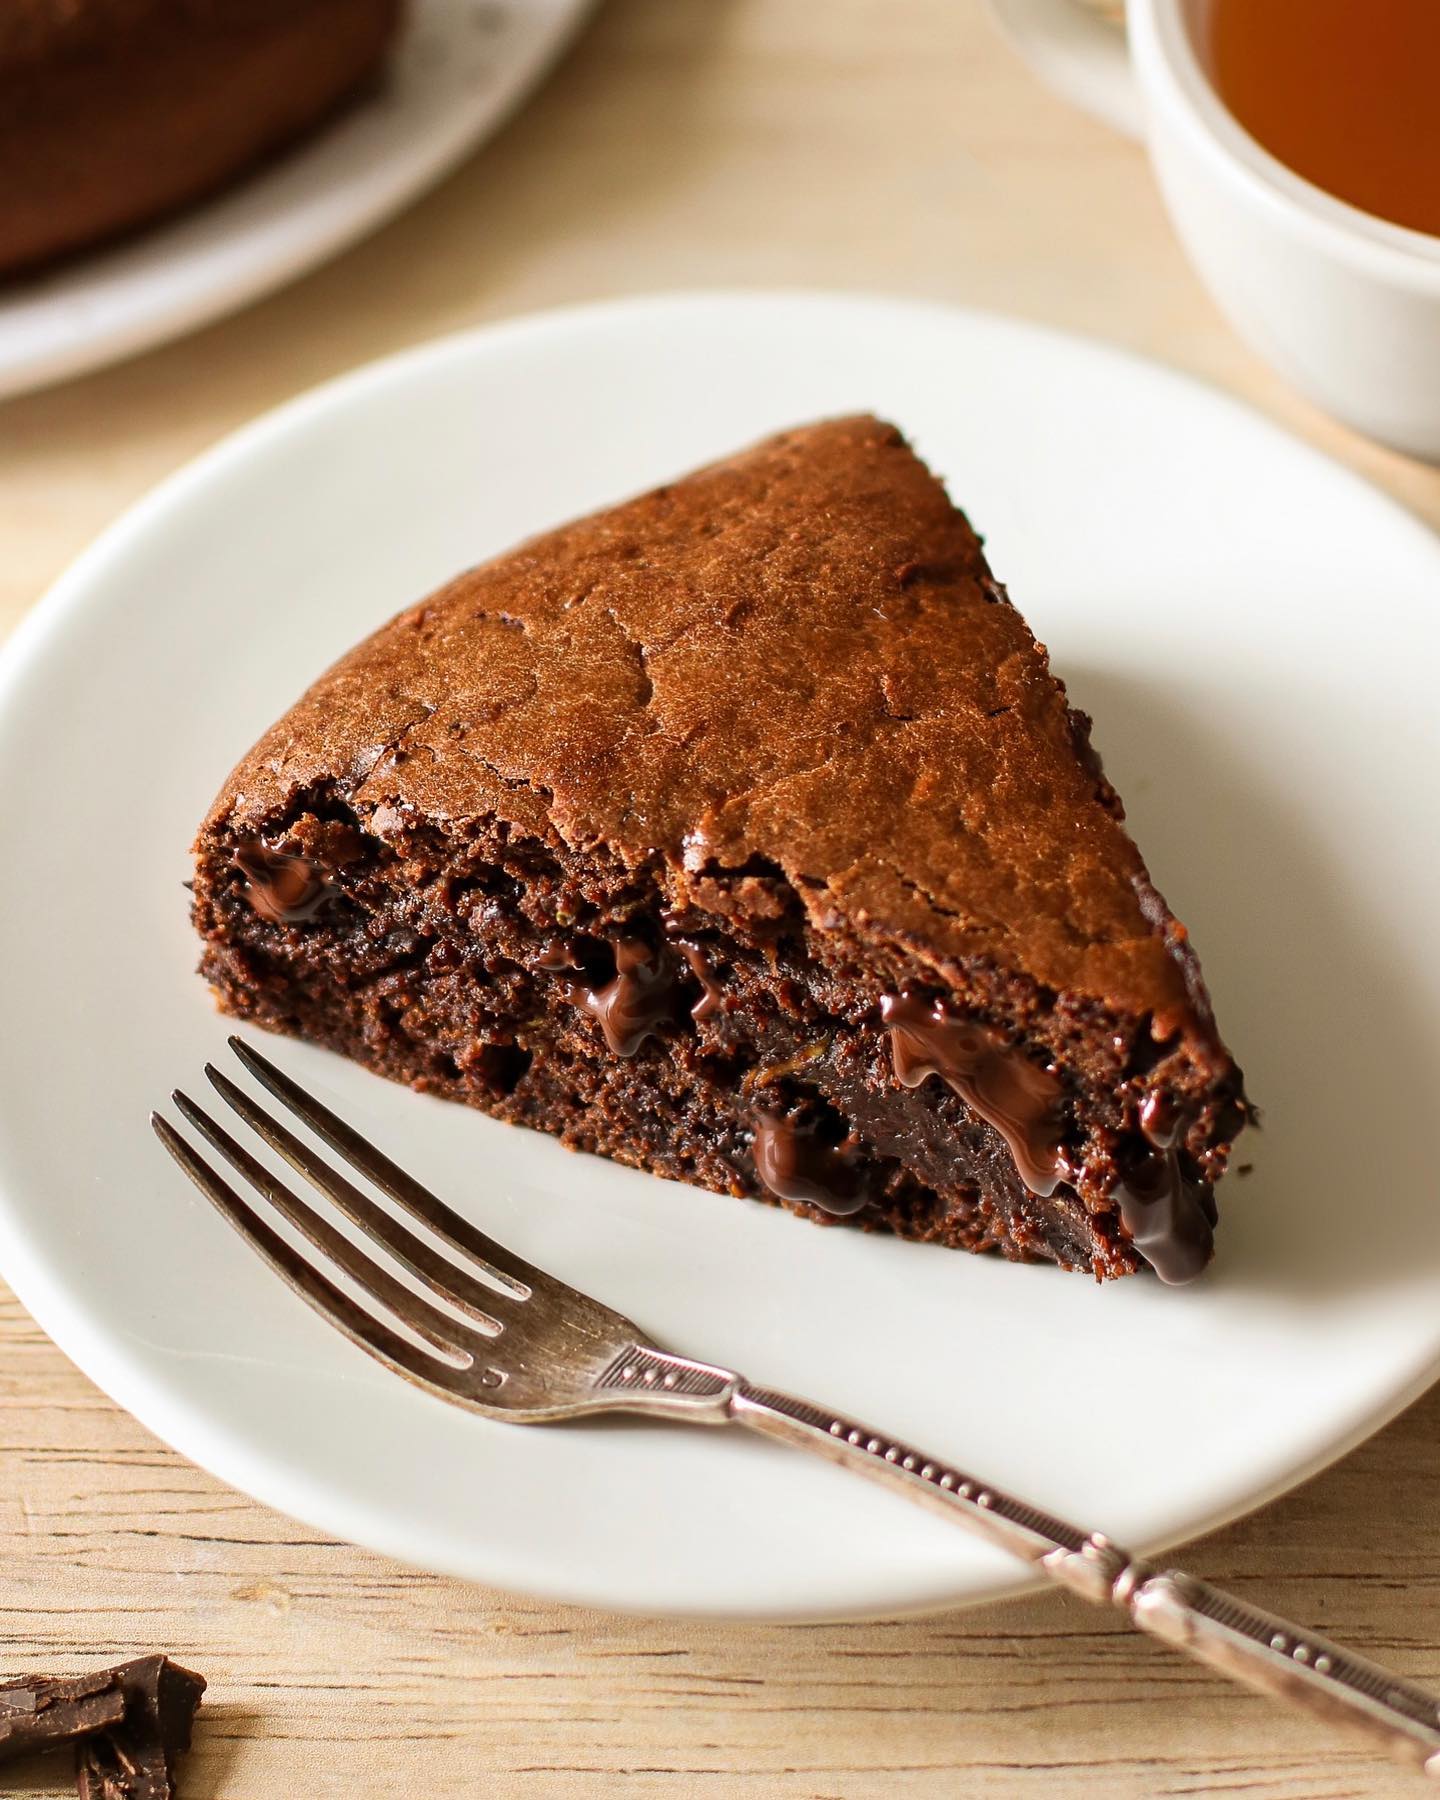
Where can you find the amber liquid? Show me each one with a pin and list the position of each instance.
(1346, 92)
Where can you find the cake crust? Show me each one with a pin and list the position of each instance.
(766, 691)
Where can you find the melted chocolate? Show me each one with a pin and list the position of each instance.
(632, 1005)
(709, 1002)
(1164, 1121)
(287, 890)
(559, 959)
(1169, 1214)
(795, 1165)
(1023, 1102)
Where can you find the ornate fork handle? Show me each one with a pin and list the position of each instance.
(1254, 1647)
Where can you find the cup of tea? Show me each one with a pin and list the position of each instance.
(1297, 144)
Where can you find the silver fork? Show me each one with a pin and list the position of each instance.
(535, 1350)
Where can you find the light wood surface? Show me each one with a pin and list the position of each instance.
(850, 143)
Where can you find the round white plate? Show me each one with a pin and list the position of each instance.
(459, 69)
(1256, 633)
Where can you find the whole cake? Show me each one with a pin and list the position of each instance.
(743, 834)
(114, 112)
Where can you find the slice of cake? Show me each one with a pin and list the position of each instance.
(742, 833)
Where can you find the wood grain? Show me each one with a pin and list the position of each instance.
(683, 142)
(335, 1672)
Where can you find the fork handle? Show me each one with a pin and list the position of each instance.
(1254, 1647)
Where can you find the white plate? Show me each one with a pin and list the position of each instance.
(458, 70)
(1256, 632)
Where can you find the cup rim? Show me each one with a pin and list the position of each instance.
(1162, 45)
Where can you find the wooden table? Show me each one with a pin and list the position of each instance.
(684, 142)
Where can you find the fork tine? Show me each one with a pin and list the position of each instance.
(500, 1264)
(332, 1303)
(438, 1273)
(447, 1336)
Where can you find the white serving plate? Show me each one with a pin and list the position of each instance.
(1256, 632)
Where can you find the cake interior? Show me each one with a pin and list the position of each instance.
(715, 1026)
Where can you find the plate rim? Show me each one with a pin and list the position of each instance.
(66, 601)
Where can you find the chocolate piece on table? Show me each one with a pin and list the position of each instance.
(39, 1712)
(134, 1759)
(776, 720)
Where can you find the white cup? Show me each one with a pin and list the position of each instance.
(1345, 306)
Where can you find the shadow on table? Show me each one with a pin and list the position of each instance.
(34, 1775)
(220, 1732)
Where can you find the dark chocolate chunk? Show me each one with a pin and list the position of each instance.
(135, 1758)
(39, 1712)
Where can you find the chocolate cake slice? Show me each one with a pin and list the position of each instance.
(742, 833)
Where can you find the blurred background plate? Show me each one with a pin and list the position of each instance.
(1256, 633)
(459, 69)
